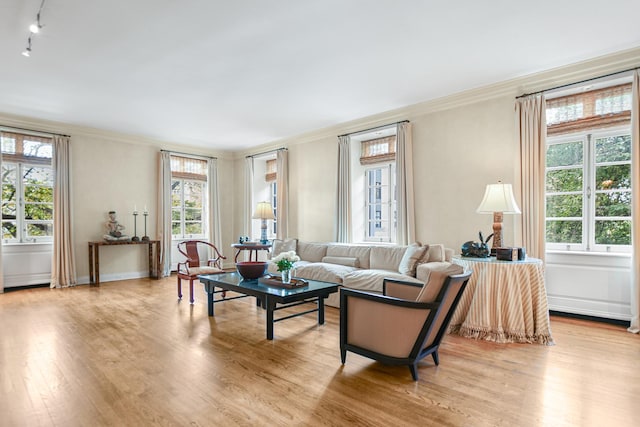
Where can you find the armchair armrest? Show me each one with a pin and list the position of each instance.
(380, 323)
(423, 271)
(401, 288)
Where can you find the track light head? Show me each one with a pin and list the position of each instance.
(26, 52)
(35, 27)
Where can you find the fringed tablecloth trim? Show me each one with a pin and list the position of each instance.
(501, 337)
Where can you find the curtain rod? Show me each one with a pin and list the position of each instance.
(187, 154)
(373, 128)
(266, 152)
(36, 131)
(577, 83)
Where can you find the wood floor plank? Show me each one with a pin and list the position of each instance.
(128, 353)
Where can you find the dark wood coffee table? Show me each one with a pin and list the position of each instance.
(269, 296)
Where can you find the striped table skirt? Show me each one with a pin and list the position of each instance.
(505, 301)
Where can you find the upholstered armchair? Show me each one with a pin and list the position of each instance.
(406, 323)
(190, 268)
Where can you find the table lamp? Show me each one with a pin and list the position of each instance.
(498, 199)
(263, 211)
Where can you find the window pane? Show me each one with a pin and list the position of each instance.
(175, 214)
(613, 204)
(564, 231)
(613, 149)
(38, 211)
(175, 229)
(39, 229)
(9, 230)
(614, 176)
(613, 232)
(176, 194)
(564, 206)
(37, 148)
(36, 193)
(566, 154)
(8, 210)
(38, 175)
(192, 214)
(193, 228)
(8, 145)
(564, 180)
(193, 194)
(9, 172)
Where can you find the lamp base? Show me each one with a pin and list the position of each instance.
(263, 233)
(497, 232)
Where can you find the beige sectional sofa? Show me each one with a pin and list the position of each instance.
(363, 267)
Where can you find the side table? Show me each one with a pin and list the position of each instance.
(253, 248)
(505, 301)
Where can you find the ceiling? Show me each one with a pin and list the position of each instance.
(238, 74)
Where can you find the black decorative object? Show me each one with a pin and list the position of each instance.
(477, 249)
(145, 238)
(135, 237)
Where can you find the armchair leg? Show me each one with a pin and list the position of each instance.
(179, 288)
(436, 359)
(343, 355)
(414, 371)
(191, 299)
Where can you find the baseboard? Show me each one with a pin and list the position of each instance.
(590, 318)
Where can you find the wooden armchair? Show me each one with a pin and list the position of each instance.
(190, 268)
(406, 323)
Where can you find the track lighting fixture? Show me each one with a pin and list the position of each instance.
(33, 29)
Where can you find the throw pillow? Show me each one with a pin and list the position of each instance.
(278, 246)
(409, 261)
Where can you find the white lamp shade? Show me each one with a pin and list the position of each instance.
(498, 198)
(263, 211)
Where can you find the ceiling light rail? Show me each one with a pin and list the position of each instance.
(578, 83)
(34, 28)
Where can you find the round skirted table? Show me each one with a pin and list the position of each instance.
(505, 301)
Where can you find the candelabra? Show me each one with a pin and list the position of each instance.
(145, 238)
(135, 237)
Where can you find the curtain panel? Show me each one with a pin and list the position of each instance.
(215, 230)
(163, 225)
(63, 263)
(343, 214)
(248, 196)
(282, 196)
(635, 204)
(406, 222)
(531, 128)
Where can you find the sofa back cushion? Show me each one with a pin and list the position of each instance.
(279, 246)
(350, 251)
(342, 260)
(436, 253)
(386, 257)
(312, 252)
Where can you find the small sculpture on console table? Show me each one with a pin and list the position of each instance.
(114, 228)
(477, 249)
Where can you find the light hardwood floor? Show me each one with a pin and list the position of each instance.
(129, 354)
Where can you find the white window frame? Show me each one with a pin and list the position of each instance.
(588, 137)
(181, 209)
(387, 168)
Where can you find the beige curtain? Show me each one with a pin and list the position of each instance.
(1, 270)
(282, 196)
(635, 204)
(63, 264)
(531, 127)
(406, 222)
(343, 216)
(163, 225)
(248, 196)
(215, 230)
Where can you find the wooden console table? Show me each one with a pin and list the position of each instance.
(94, 257)
(253, 248)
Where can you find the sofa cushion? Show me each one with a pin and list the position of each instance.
(371, 280)
(386, 257)
(312, 252)
(435, 253)
(356, 251)
(410, 259)
(342, 260)
(436, 279)
(286, 245)
(322, 271)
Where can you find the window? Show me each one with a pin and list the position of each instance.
(27, 188)
(588, 173)
(380, 209)
(188, 198)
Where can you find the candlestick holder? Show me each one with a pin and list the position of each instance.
(135, 237)
(145, 238)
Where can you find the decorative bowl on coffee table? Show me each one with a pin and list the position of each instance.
(251, 270)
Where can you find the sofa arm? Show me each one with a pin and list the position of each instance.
(423, 271)
(401, 289)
